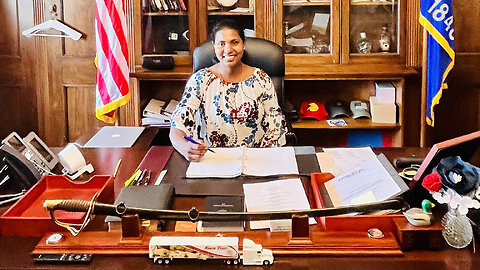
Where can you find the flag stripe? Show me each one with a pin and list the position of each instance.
(436, 16)
(116, 32)
(438, 37)
(103, 68)
(112, 62)
(112, 90)
(119, 25)
(102, 89)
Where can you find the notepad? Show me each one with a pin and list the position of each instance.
(237, 161)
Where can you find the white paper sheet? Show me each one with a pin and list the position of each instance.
(225, 163)
(346, 159)
(366, 182)
(270, 161)
(279, 195)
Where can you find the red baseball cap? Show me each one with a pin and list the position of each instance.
(313, 109)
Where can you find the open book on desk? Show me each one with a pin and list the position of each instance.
(236, 161)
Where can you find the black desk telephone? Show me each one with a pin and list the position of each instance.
(27, 159)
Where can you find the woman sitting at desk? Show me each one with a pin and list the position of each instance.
(229, 104)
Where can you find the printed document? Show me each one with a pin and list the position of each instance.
(236, 161)
(369, 182)
(276, 195)
(338, 161)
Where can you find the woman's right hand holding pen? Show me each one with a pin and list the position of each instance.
(196, 151)
(190, 150)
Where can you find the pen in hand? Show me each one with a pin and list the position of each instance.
(195, 142)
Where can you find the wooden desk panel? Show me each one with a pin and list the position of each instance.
(15, 251)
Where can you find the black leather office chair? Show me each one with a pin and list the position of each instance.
(260, 53)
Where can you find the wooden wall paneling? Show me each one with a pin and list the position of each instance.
(268, 19)
(414, 34)
(194, 27)
(40, 68)
(55, 116)
(202, 33)
(467, 28)
(130, 114)
(134, 26)
(17, 80)
(459, 110)
(412, 110)
(80, 99)
(278, 20)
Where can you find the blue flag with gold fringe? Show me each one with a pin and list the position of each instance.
(436, 16)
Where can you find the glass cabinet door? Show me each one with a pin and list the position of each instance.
(372, 31)
(311, 28)
(212, 11)
(165, 27)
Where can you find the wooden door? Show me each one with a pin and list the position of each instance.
(69, 98)
(18, 94)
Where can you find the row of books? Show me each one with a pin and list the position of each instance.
(168, 5)
(157, 114)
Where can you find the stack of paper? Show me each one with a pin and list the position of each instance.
(372, 181)
(279, 195)
(155, 114)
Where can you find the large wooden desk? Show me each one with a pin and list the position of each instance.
(15, 251)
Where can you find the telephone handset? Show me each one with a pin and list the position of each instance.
(29, 158)
(27, 173)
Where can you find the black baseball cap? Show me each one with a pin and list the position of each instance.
(337, 109)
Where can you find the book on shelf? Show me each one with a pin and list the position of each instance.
(157, 114)
(168, 110)
(165, 5)
(153, 121)
(154, 107)
(222, 204)
(236, 161)
(183, 5)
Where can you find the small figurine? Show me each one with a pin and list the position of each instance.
(420, 216)
(385, 39)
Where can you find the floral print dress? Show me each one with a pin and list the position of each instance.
(226, 114)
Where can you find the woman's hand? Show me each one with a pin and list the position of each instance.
(191, 151)
(195, 152)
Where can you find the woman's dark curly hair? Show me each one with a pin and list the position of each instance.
(228, 23)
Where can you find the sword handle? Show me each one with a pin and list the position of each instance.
(67, 205)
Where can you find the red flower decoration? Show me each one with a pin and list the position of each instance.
(432, 182)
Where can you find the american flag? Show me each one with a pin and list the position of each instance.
(112, 59)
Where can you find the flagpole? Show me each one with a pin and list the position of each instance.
(116, 117)
(423, 114)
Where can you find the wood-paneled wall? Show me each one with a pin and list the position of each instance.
(18, 95)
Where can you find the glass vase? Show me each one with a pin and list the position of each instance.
(457, 229)
(363, 44)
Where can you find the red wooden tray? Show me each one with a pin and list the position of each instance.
(27, 217)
